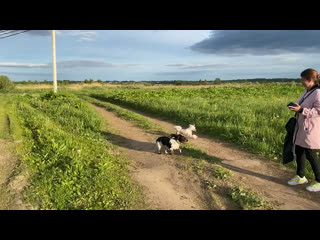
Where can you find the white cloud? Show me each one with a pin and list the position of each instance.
(84, 35)
(74, 63)
(22, 65)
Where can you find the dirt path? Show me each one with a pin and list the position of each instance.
(165, 186)
(160, 178)
(13, 177)
(11, 181)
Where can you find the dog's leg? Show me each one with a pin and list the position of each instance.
(171, 151)
(180, 150)
(159, 147)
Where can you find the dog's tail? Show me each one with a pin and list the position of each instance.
(178, 128)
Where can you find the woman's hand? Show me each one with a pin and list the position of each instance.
(295, 109)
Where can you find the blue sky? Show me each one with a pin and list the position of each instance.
(145, 55)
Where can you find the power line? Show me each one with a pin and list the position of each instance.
(2, 33)
(9, 33)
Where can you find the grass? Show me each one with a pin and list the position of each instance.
(220, 172)
(248, 200)
(4, 119)
(71, 165)
(125, 114)
(251, 117)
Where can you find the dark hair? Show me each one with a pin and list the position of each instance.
(311, 74)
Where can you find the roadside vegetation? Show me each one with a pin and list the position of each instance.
(70, 164)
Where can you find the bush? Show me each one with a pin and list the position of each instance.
(5, 83)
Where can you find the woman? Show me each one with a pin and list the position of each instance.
(306, 138)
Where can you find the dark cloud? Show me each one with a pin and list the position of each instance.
(40, 32)
(259, 42)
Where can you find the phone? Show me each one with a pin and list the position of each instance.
(292, 105)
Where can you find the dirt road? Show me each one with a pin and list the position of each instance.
(167, 187)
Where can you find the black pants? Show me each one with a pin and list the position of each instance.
(311, 154)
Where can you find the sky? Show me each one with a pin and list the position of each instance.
(159, 55)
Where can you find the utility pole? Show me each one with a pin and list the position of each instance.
(55, 86)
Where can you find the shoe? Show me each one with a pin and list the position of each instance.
(314, 187)
(297, 180)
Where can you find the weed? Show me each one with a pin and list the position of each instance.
(220, 172)
(247, 199)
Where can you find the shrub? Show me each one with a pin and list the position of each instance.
(5, 83)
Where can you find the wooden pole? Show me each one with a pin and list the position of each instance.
(54, 66)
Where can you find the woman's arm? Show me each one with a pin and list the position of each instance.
(312, 112)
(309, 112)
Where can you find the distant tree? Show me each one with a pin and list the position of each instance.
(217, 81)
(66, 82)
(99, 81)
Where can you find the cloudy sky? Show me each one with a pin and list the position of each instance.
(160, 54)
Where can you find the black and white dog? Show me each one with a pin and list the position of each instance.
(172, 142)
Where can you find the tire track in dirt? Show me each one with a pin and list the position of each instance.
(261, 175)
(165, 186)
(11, 183)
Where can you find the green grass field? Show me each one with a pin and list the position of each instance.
(252, 117)
(72, 166)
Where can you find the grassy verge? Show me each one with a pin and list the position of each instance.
(71, 165)
(4, 119)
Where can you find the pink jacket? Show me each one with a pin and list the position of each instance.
(307, 131)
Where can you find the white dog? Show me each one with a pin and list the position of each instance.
(187, 132)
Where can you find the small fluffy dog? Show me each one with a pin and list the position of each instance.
(187, 131)
(172, 142)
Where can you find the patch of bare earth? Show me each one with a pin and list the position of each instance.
(265, 177)
(12, 179)
(165, 186)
